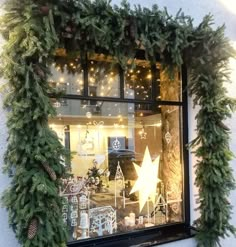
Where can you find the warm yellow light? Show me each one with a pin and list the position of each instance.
(52, 126)
(62, 79)
(92, 79)
(149, 76)
(147, 181)
(230, 5)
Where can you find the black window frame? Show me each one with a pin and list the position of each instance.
(158, 234)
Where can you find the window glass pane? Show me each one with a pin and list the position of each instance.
(67, 77)
(103, 79)
(171, 89)
(127, 166)
(138, 82)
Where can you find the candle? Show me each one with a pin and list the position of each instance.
(127, 220)
(132, 219)
(140, 220)
(84, 220)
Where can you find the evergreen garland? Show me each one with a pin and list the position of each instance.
(34, 29)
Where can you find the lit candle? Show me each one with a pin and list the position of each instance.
(132, 219)
(140, 220)
(127, 220)
(84, 220)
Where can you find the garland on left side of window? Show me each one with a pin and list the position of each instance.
(34, 156)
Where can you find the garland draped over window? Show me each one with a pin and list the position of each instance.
(34, 30)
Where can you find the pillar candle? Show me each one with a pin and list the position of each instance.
(132, 219)
(84, 220)
(127, 219)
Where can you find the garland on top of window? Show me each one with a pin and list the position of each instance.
(34, 29)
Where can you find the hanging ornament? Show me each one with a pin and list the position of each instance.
(116, 144)
(98, 125)
(168, 136)
(74, 199)
(83, 201)
(142, 133)
(88, 114)
(87, 143)
(57, 104)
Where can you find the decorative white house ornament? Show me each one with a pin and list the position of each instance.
(147, 179)
(83, 202)
(119, 180)
(116, 145)
(74, 199)
(103, 219)
(74, 214)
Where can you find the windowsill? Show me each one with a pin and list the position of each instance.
(142, 238)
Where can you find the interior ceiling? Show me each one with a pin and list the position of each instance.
(150, 120)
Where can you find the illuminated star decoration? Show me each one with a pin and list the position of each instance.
(147, 179)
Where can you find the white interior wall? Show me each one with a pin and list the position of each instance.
(196, 9)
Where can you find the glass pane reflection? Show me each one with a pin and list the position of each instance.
(127, 166)
(68, 79)
(138, 83)
(103, 78)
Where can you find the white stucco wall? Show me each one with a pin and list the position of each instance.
(197, 9)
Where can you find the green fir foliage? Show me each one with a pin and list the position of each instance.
(33, 30)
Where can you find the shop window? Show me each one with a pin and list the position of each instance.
(127, 132)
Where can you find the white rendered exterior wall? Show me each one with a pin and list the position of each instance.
(197, 9)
